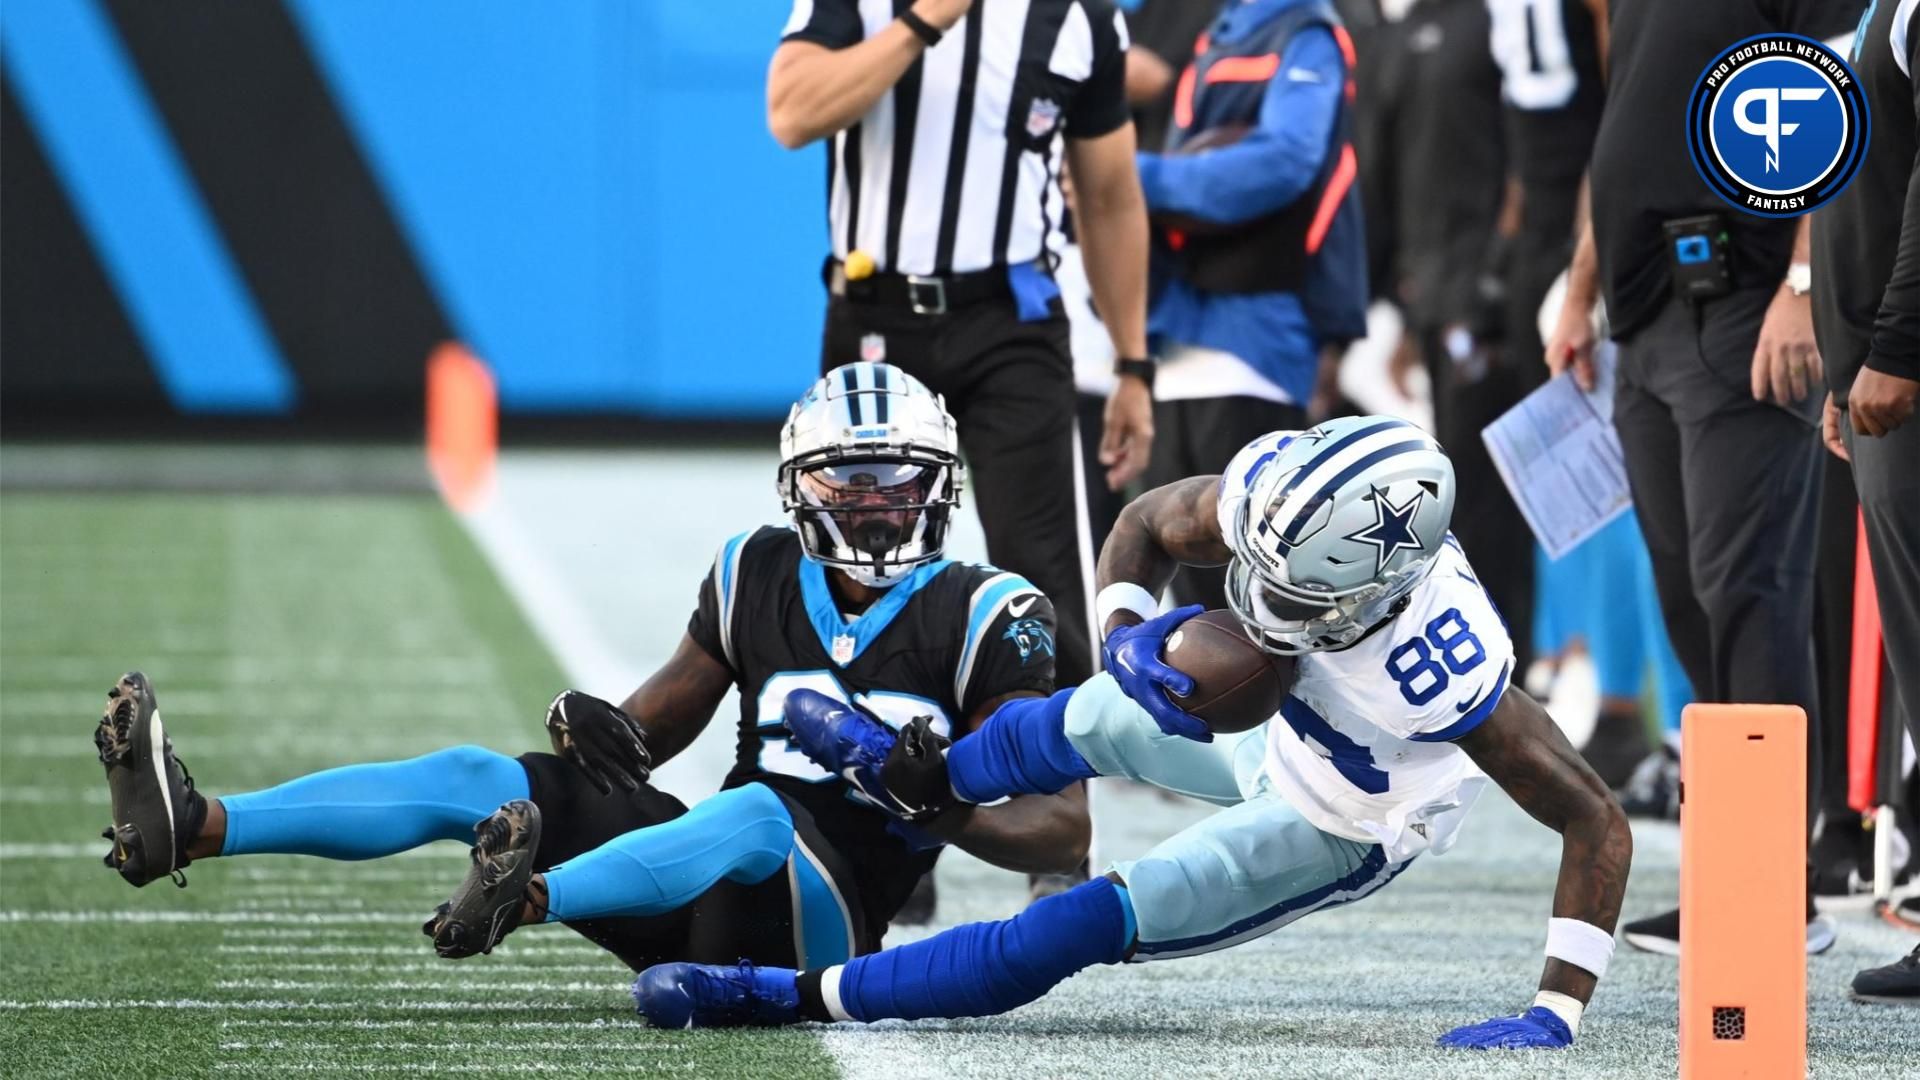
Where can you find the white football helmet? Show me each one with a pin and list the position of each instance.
(870, 470)
(1337, 528)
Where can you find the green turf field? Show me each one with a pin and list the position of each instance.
(284, 634)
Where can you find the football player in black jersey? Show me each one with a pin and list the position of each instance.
(784, 865)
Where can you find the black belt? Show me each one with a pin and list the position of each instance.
(920, 294)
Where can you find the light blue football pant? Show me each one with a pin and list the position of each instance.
(1248, 870)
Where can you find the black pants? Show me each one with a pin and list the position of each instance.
(1728, 491)
(1103, 506)
(1197, 437)
(1009, 386)
(1886, 473)
(1833, 628)
(727, 922)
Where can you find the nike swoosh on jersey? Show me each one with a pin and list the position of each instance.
(1466, 707)
(1019, 607)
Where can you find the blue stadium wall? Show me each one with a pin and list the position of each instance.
(274, 210)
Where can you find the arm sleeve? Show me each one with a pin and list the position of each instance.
(833, 23)
(1013, 650)
(1100, 106)
(1449, 660)
(1895, 349)
(1277, 161)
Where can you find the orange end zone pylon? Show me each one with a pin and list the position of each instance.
(463, 425)
(1743, 892)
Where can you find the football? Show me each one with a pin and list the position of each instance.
(1236, 684)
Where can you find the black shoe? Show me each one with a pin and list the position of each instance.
(1653, 790)
(1896, 984)
(486, 906)
(156, 811)
(918, 910)
(1661, 934)
(1618, 744)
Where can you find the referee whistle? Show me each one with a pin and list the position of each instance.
(859, 265)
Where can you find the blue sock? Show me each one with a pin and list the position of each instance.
(367, 811)
(1022, 749)
(743, 834)
(981, 969)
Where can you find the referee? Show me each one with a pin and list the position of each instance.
(941, 120)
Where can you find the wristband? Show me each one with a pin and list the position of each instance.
(1141, 369)
(1581, 944)
(1563, 1006)
(921, 28)
(1123, 596)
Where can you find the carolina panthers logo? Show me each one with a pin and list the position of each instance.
(1030, 637)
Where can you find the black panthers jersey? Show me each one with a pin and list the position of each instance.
(1549, 57)
(948, 639)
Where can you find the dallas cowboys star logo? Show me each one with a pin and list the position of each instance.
(1392, 528)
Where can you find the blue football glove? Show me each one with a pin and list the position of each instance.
(1539, 1028)
(1133, 659)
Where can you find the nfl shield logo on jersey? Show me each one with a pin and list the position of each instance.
(1041, 118)
(873, 348)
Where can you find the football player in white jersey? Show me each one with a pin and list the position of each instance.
(1338, 554)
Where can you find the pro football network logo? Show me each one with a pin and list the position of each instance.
(1777, 125)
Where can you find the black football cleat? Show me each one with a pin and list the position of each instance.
(1896, 984)
(486, 906)
(156, 811)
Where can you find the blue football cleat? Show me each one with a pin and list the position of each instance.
(844, 741)
(710, 995)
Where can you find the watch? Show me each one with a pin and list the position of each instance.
(928, 33)
(1800, 278)
(1143, 369)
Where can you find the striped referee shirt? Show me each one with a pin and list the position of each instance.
(955, 169)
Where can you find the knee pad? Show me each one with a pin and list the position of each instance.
(1107, 728)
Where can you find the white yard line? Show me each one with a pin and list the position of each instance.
(460, 985)
(376, 918)
(446, 851)
(485, 1024)
(304, 1046)
(571, 1068)
(259, 1005)
(397, 950)
(489, 969)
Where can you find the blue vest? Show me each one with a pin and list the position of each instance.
(1314, 247)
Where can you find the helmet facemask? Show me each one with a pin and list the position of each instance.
(874, 517)
(1291, 620)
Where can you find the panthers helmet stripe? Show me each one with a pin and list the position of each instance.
(877, 375)
(850, 382)
(1290, 534)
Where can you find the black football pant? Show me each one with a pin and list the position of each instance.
(1728, 492)
(1197, 437)
(727, 922)
(1009, 386)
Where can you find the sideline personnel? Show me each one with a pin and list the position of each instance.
(940, 124)
(1715, 404)
(1866, 309)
